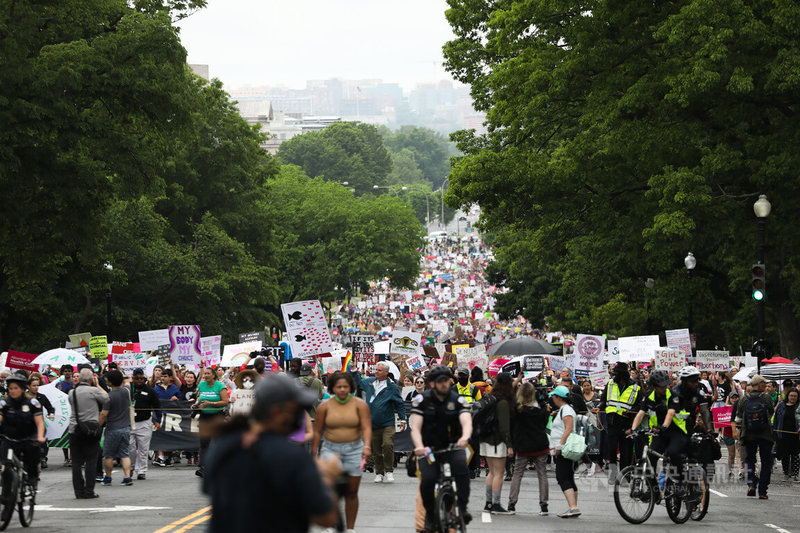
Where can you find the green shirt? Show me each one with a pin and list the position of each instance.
(206, 393)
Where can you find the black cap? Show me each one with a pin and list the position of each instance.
(278, 389)
(463, 372)
(138, 371)
(305, 370)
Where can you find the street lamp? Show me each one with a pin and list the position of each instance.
(762, 208)
(441, 190)
(108, 266)
(392, 189)
(427, 204)
(648, 284)
(690, 262)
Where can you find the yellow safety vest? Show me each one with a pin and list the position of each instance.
(466, 392)
(652, 412)
(618, 403)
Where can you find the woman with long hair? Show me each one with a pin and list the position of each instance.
(787, 444)
(212, 398)
(564, 424)
(495, 444)
(529, 439)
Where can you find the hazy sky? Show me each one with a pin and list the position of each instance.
(269, 42)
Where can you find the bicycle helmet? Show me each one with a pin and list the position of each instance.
(19, 378)
(689, 372)
(660, 378)
(440, 372)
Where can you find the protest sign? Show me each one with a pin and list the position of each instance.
(513, 368)
(678, 339)
(613, 352)
(472, 357)
(638, 348)
(58, 425)
(179, 431)
(306, 328)
(184, 345)
(669, 359)
(599, 379)
(242, 401)
(252, 337)
(210, 348)
(556, 363)
(150, 366)
(239, 354)
(129, 361)
(722, 416)
(712, 361)
(533, 363)
(151, 340)
(162, 352)
(405, 343)
(80, 339)
(415, 362)
(98, 346)
(22, 361)
(363, 347)
(449, 359)
(589, 351)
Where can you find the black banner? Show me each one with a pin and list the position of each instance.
(179, 430)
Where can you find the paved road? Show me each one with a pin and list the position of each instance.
(164, 501)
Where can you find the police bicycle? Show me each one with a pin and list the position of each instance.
(17, 489)
(637, 489)
(447, 513)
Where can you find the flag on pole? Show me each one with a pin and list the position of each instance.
(347, 364)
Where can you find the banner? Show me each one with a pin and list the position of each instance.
(363, 348)
(239, 354)
(59, 424)
(678, 339)
(638, 348)
(129, 361)
(306, 328)
(210, 348)
(472, 357)
(184, 345)
(151, 340)
(589, 353)
(179, 431)
(722, 416)
(711, 361)
(405, 343)
(98, 346)
(22, 361)
(252, 337)
(669, 359)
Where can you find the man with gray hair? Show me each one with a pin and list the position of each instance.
(86, 400)
(384, 399)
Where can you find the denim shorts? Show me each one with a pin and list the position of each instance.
(116, 442)
(349, 453)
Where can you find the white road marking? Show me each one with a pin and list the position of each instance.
(776, 528)
(718, 493)
(486, 518)
(115, 509)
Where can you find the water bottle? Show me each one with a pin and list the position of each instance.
(662, 480)
(429, 456)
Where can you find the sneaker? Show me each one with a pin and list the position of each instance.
(763, 497)
(498, 509)
(543, 509)
(98, 478)
(67, 463)
(488, 507)
(168, 462)
(127, 481)
(751, 491)
(570, 513)
(106, 481)
(388, 478)
(512, 508)
(90, 496)
(379, 478)
(199, 472)
(160, 462)
(141, 477)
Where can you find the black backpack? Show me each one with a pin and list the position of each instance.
(756, 418)
(484, 416)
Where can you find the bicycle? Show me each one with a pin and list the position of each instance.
(447, 511)
(637, 491)
(16, 488)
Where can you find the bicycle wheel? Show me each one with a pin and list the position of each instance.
(8, 496)
(701, 508)
(634, 494)
(445, 519)
(678, 509)
(25, 507)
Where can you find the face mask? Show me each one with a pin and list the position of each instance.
(247, 384)
(463, 380)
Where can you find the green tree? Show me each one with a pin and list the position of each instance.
(431, 151)
(344, 151)
(405, 170)
(622, 136)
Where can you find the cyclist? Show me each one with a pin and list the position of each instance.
(655, 405)
(21, 419)
(439, 417)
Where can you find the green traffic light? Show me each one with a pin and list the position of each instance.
(758, 295)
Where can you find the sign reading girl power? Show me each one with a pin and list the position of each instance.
(184, 345)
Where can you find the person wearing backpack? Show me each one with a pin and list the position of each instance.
(752, 426)
(530, 441)
(494, 434)
(564, 424)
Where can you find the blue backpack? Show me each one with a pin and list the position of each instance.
(756, 418)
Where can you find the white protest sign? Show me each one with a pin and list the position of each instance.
(589, 351)
(363, 347)
(239, 354)
(127, 362)
(151, 340)
(184, 345)
(556, 363)
(669, 359)
(307, 329)
(415, 362)
(472, 357)
(638, 348)
(150, 366)
(56, 427)
(242, 401)
(712, 361)
(210, 347)
(599, 379)
(613, 352)
(678, 339)
(405, 343)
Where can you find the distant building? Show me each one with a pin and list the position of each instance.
(200, 70)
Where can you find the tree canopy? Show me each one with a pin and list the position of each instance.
(623, 135)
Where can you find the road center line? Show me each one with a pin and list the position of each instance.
(182, 520)
(202, 519)
(718, 493)
(776, 528)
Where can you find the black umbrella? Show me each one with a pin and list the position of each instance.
(523, 346)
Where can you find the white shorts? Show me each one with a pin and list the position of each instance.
(491, 450)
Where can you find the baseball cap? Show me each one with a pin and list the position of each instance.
(305, 370)
(138, 372)
(561, 391)
(755, 380)
(277, 389)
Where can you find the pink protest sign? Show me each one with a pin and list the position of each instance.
(722, 416)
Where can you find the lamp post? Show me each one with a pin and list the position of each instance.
(427, 204)
(441, 190)
(690, 262)
(648, 284)
(762, 208)
(391, 189)
(108, 266)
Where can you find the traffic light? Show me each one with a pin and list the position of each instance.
(758, 283)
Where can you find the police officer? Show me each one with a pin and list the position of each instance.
(21, 419)
(618, 401)
(440, 417)
(465, 389)
(684, 402)
(654, 405)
